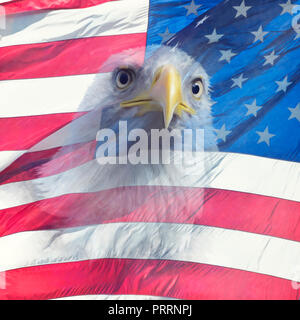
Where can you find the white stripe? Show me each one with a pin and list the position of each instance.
(8, 157)
(44, 96)
(227, 171)
(193, 243)
(110, 18)
(115, 297)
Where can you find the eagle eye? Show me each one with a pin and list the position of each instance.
(124, 77)
(197, 88)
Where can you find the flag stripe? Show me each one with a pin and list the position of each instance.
(121, 17)
(37, 95)
(31, 165)
(143, 277)
(163, 241)
(61, 58)
(21, 133)
(229, 171)
(21, 6)
(219, 208)
(81, 130)
(7, 157)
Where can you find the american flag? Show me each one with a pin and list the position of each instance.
(235, 235)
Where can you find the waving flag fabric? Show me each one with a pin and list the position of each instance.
(235, 235)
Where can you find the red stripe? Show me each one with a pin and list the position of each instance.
(212, 207)
(21, 133)
(67, 57)
(176, 279)
(53, 161)
(19, 6)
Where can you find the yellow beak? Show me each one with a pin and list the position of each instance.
(165, 94)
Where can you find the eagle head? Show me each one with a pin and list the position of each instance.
(169, 89)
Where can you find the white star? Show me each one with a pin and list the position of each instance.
(241, 10)
(252, 108)
(270, 58)
(259, 34)
(227, 55)
(238, 81)
(222, 133)
(214, 37)
(192, 8)
(166, 35)
(287, 7)
(295, 112)
(201, 21)
(282, 85)
(265, 136)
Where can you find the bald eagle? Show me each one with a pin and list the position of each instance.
(170, 90)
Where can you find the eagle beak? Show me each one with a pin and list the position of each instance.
(165, 94)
